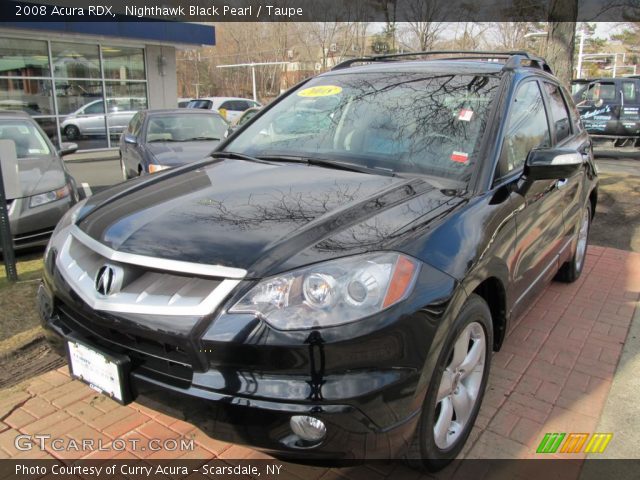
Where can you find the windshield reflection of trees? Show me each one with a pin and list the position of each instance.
(367, 224)
(406, 122)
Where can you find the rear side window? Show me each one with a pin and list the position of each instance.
(629, 91)
(527, 128)
(204, 104)
(558, 111)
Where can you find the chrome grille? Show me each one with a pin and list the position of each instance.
(141, 289)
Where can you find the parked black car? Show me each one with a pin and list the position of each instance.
(334, 287)
(610, 109)
(159, 139)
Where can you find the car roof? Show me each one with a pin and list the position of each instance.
(220, 98)
(426, 66)
(13, 114)
(186, 111)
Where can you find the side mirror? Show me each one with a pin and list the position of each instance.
(130, 139)
(67, 149)
(599, 103)
(552, 164)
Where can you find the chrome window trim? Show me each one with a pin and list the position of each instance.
(218, 271)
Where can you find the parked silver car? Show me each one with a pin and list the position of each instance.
(229, 107)
(46, 190)
(89, 120)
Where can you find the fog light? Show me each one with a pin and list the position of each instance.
(307, 428)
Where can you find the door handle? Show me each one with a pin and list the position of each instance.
(561, 183)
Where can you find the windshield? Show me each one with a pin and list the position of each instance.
(26, 137)
(404, 122)
(185, 127)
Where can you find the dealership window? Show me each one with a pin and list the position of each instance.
(80, 92)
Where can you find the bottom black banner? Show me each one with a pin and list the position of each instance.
(548, 469)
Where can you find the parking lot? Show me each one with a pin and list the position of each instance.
(564, 368)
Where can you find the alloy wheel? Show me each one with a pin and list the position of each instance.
(460, 386)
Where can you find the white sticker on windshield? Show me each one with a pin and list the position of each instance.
(465, 115)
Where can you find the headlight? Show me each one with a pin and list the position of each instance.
(331, 293)
(156, 168)
(48, 197)
(66, 220)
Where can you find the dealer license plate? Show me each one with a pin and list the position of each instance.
(102, 372)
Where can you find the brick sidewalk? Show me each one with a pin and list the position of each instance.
(553, 374)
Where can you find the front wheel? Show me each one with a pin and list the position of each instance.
(571, 270)
(456, 389)
(72, 132)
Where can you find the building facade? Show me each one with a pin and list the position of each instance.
(83, 82)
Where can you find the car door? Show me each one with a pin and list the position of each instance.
(630, 107)
(568, 135)
(539, 221)
(92, 120)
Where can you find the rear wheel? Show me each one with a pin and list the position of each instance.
(456, 389)
(571, 270)
(72, 132)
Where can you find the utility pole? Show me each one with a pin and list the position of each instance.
(6, 239)
(253, 72)
(580, 50)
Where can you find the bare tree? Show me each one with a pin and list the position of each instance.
(561, 38)
(424, 29)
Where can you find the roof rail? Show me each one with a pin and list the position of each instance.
(515, 59)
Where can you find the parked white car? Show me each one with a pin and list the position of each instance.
(229, 107)
(88, 120)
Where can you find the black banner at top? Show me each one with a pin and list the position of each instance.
(320, 10)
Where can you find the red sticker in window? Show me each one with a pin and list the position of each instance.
(460, 157)
(465, 115)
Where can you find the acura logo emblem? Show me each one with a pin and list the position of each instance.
(106, 280)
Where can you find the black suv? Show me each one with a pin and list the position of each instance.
(610, 109)
(331, 282)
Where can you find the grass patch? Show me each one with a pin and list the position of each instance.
(19, 321)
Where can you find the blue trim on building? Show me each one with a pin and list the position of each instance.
(171, 32)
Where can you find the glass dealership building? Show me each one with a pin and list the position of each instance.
(78, 86)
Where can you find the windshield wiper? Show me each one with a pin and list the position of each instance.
(321, 162)
(163, 140)
(238, 156)
(197, 139)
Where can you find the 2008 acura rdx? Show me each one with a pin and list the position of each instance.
(332, 281)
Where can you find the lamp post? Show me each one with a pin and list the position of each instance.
(253, 72)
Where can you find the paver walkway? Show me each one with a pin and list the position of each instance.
(553, 374)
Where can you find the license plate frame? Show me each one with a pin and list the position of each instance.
(105, 372)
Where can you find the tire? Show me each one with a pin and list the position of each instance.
(429, 450)
(72, 132)
(570, 271)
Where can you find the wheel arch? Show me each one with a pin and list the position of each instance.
(492, 291)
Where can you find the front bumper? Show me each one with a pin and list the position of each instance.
(258, 412)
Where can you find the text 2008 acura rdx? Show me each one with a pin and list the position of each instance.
(332, 281)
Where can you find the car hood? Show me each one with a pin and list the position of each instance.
(39, 175)
(264, 218)
(179, 153)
